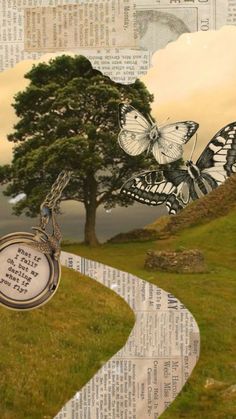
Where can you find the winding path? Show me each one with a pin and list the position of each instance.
(144, 377)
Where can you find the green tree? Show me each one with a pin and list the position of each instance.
(68, 120)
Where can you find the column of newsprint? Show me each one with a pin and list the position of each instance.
(145, 376)
(118, 36)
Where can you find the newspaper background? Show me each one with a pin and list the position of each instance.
(146, 375)
(163, 347)
(26, 33)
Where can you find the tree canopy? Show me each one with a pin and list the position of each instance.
(68, 120)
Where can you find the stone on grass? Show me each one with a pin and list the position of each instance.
(137, 235)
(230, 392)
(211, 383)
(186, 261)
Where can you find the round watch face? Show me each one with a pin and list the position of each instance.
(28, 277)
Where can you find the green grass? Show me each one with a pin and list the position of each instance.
(48, 354)
(211, 297)
(212, 206)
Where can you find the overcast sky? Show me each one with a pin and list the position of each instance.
(73, 217)
(193, 78)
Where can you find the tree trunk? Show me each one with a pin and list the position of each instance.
(90, 237)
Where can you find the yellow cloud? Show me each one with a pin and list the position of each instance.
(11, 81)
(195, 78)
(192, 78)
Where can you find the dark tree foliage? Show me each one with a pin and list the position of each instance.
(68, 119)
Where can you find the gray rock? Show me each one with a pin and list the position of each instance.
(186, 261)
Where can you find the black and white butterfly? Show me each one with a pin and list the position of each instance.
(176, 188)
(138, 135)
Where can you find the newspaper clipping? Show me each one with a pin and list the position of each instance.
(86, 25)
(118, 36)
(146, 375)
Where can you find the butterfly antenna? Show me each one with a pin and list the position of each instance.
(164, 123)
(194, 147)
(150, 119)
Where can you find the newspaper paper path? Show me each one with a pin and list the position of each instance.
(118, 36)
(145, 376)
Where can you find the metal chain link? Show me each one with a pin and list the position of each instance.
(52, 200)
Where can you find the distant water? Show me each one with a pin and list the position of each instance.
(73, 217)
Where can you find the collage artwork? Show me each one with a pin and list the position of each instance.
(118, 209)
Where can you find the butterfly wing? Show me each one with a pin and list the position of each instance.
(169, 146)
(218, 160)
(165, 153)
(132, 120)
(179, 132)
(133, 143)
(177, 188)
(134, 136)
(159, 187)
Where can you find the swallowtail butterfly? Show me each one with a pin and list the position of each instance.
(138, 135)
(176, 188)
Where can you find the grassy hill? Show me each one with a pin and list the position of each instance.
(214, 205)
(210, 296)
(48, 354)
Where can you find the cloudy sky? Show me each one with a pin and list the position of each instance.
(193, 78)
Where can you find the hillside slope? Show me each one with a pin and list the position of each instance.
(214, 205)
(210, 296)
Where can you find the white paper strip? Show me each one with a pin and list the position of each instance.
(146, 375)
